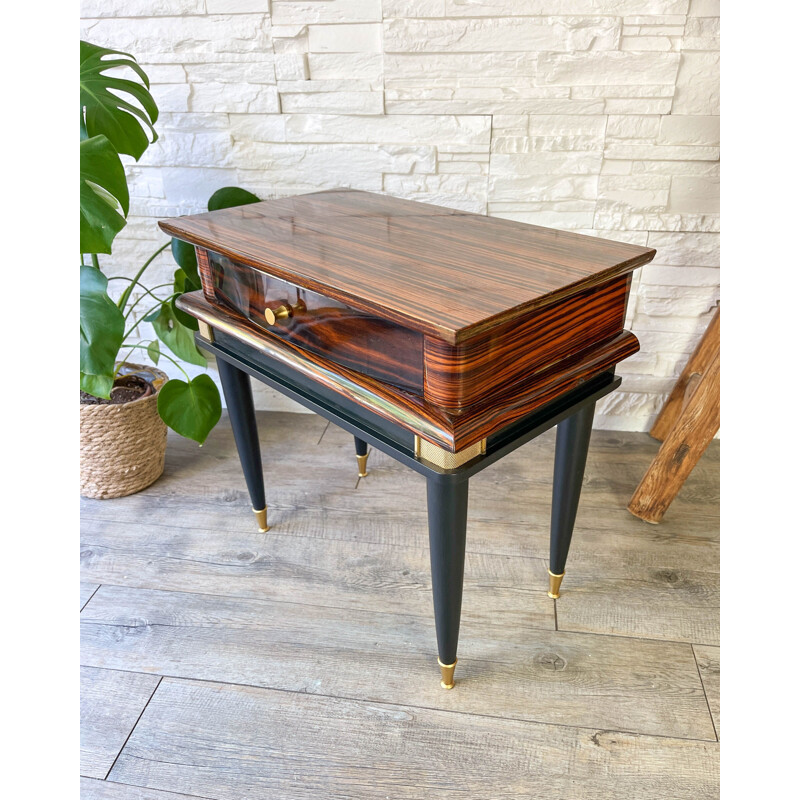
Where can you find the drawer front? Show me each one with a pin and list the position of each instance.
(322, 326)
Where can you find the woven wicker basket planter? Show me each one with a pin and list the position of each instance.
(123, 446)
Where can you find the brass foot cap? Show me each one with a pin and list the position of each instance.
(362, 465)
(447, 671)
(555, 584)
(261, 519)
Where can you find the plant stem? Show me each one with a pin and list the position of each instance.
(141, 319)
(127, 293)
(95, 261)
(163, 355)
(147, 291)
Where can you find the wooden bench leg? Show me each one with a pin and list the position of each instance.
(694, 428)
(687, 383)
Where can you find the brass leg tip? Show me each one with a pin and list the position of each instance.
(447, 671)
(261, 519)
(362, 465)
(555, 584)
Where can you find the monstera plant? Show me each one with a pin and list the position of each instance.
(118, 115)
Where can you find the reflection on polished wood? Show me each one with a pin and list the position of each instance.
(363, 342)
(464, 321)
(451, 430)
(446, 273)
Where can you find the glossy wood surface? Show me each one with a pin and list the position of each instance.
(445, 428)
(318, 324)
(457, 376)
(446, 273)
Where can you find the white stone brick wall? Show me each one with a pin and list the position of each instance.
(599, 116)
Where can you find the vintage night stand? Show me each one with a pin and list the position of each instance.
(443, 338)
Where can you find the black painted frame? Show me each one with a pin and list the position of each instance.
(447, 490)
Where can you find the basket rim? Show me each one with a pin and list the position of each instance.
(132, 369)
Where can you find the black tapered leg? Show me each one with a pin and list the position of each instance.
(239, 400)
(361, 457)
(572, 445)
(447, 529)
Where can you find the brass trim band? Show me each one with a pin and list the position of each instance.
(444, 459)
(206, 331)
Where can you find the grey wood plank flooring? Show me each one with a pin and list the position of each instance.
(624, 576)
(87, 590)
(92, 789)
(111, 702)
(507, 669)
(708, 664)
(301, 662)
(310, 570)
(228, 742)
(658, 600)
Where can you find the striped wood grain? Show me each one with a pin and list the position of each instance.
(451, 430)
(363, 342)
(455, 376)
(447, 273)
(493, 363)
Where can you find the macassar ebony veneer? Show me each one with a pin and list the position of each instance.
(440, 336)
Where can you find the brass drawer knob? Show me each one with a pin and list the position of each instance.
(283, 311)
(272, 315)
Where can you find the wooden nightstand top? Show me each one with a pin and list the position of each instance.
(437, 270)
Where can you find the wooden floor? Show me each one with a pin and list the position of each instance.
(222, 663)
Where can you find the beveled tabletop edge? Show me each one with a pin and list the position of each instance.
(450, 333)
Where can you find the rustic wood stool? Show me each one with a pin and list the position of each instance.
(686, 425)
(442, 338)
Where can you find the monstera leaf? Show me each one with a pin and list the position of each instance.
(186, 258)
(104, 194)
(191, 409)
(229, 197)
(187, 278)
(106, 107)
(184, 283)
(176, 336)
(184, 252)
(102, 329)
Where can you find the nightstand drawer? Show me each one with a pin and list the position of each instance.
(320, 325)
